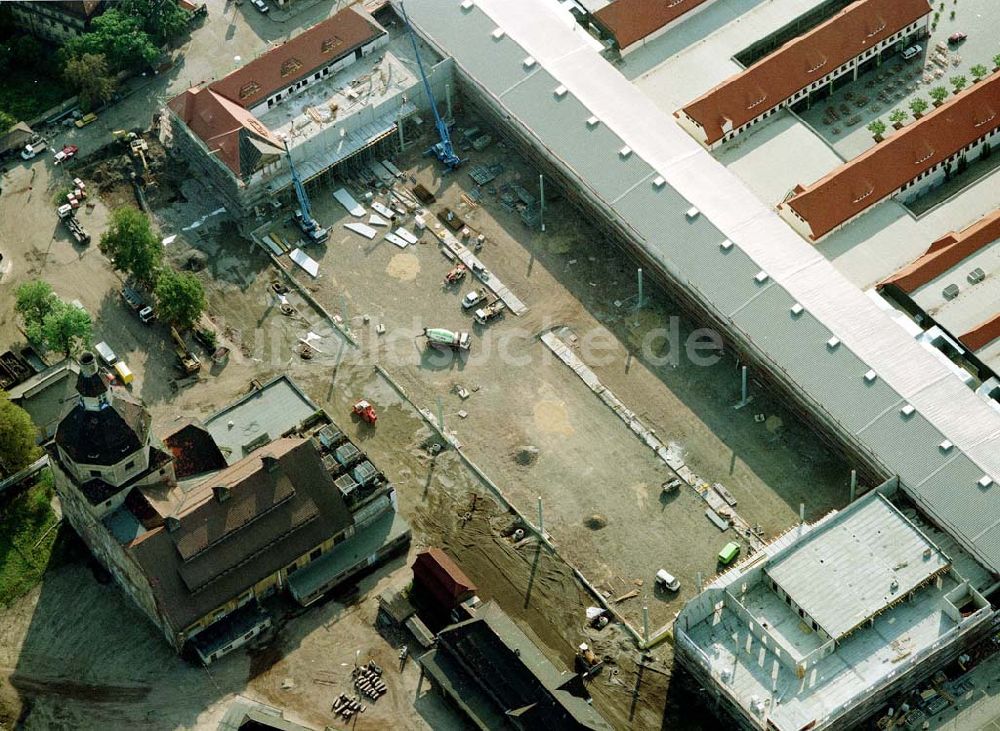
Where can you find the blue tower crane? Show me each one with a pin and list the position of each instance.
(442, 149)
(303, 217)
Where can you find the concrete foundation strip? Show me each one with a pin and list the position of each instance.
(431, 420)
(713, 499)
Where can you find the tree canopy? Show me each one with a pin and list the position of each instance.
(119, 38)
(6, 121)
(163, 20)
(17, 437)
(89, 75)
(67, 328)
(33, 301)
(180, 298)
(132, 246)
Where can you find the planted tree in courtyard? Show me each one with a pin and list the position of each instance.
(918, 105)
(897, 117)
(6, 122)
(180, 298)
(89, 75)
(163, 20)
(959, 82)
(996, 62)
(877, 128)
(132, 246)
(119, 38)
(17, 437)
(978, 72)
(67, 328)
(938, 94)
(33, 301)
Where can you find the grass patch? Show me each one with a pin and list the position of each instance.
(29, 540)
(25, 93)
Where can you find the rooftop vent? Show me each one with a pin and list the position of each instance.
(907, 410)
(761, 277)
(172, 523)
(946, 446)
(726, 245)
(270, 462)
(797, 309)
(950, 292)
(985, 481)
(870, 376)
(833, 343)
(692, 213)
(659, 182)
(625, 153)
(561, 91)
(498, 34)
(221, 493)
(468, 4)
(593, 121)
(529, 62)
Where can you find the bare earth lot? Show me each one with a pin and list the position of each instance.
(80, 657)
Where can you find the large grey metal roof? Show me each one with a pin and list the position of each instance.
(820, 572)
(520, 52)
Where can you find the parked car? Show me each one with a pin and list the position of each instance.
(86, 119)
(956, 38)
(912, 52)
(473, 298)
(260, 5)
(66, 153)
(107, 354)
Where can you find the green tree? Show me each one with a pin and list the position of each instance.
(25, 51)
(877, 128)
(163, 20)
(978, 71)
(898, 116)
(6, 122)
(17, 437)
(67, 328)
(89, 75)
(119, 38)
(938, 94)
(958, 82)
(33, 301)
(132, 246)
(996, 61)
(180, 298)
(918, 105)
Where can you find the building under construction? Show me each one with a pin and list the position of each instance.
(887, 399)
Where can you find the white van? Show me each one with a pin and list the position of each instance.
(912, 51)
(107, 354)
(667, 581)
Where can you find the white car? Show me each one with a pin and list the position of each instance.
(912, 51)
(260, 5)
(473, 298)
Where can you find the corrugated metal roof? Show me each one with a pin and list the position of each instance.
(689, 249)
(820, 572)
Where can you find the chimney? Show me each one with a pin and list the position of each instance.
(271, 463)
(172, 523)
(88, 364)
(221, 493)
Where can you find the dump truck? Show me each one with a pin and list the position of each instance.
(74, 227)
(134, 300)
(438, 337)
(491, 312)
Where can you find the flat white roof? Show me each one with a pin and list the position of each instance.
(944, 482)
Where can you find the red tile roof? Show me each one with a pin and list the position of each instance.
(280, 67)
(946, 252)
(982, 335)
(872, 176)
(630, 21)
(219, 124)
(800, 62)
(435, 572)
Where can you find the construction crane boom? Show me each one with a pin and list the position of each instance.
(310, 227)
(443, 149)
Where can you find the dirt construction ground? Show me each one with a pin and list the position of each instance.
(78, 656)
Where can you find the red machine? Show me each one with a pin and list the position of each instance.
(366, 411)
(455, 274)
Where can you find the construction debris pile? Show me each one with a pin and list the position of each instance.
(368, 683)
